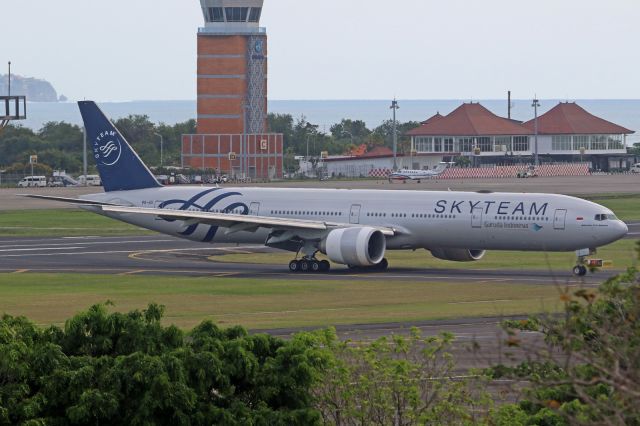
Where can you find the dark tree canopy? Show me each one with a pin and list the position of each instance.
(128, 369)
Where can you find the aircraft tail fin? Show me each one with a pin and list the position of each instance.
(119, 166)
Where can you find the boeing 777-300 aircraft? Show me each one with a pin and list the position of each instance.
(351, 227)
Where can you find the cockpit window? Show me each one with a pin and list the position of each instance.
(603, 217)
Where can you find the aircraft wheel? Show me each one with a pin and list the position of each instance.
(325, 266)
(580, 270)
(304, 266)
(314, 266)
(294, 266)
(383, 265)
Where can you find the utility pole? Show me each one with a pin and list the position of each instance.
(535, 106)
(161, 148)
(509, 104)
(9, 78)
(394, 107)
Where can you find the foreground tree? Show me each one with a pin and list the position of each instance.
(588, 371)
(399, 381)
(128, 369)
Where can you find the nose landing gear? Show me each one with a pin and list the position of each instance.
(584, 264)
(579, 270)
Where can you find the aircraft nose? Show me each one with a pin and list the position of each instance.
(622, 228)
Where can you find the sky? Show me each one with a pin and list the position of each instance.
(120, 50)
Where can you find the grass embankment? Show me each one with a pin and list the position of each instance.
(51, 298)
(62, 223)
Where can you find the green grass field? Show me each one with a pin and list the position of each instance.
(62, 223)
(51, 298)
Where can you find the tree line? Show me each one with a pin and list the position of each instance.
(112, 368)
(59, 144)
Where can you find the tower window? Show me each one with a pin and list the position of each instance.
(254, 15)
(236, 14)
(215, 14)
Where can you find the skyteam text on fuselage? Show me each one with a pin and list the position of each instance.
(351, 227)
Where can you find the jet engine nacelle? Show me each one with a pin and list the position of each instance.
(361, 246)
(458, 255)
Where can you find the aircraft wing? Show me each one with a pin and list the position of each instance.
(237, 222)
(67, 200)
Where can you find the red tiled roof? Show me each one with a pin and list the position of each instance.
(571, 119)
(378, 151)
(433, 118)
(358, 150)
(470, 120)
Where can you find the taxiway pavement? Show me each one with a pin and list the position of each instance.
(164, 255)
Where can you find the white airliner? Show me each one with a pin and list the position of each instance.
(351, 227)
(416, 174)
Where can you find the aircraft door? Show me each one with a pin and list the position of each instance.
(354, 215)
(559, 219)
(254, 209)
(476, 217)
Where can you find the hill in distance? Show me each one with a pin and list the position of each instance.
(36, 90)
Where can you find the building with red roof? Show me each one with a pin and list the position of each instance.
(470, 129)
(565, 133)
(568, 130)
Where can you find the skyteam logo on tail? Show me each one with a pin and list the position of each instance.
(107, 148)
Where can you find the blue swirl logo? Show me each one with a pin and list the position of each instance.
(107, 148)
(193, 202)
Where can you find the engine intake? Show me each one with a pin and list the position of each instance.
(361, 246)
(458, 255)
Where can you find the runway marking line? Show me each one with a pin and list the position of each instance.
(20, 271)
(139, 271)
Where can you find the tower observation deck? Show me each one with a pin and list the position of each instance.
(232, 94)
(232, 68)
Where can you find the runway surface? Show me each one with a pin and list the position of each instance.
(164, 255)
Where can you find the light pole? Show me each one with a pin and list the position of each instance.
(535, 106)
(394, 106)
(9, 79)
(161, 148)
(1, 172)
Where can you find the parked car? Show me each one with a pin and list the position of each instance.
(33, 182)
(635, 168)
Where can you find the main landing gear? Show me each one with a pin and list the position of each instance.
(309, 265)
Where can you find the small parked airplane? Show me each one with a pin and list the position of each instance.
(416, 174)
(351, 227)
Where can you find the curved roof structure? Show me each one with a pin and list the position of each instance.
(469, 119)
(568, 118)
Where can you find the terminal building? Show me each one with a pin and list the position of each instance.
(566, 133)
(232, 136)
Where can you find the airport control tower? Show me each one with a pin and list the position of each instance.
(232, 68)
(232, 136)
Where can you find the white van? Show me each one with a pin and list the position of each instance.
(33, 182)
(90, 180)
(635, 168)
